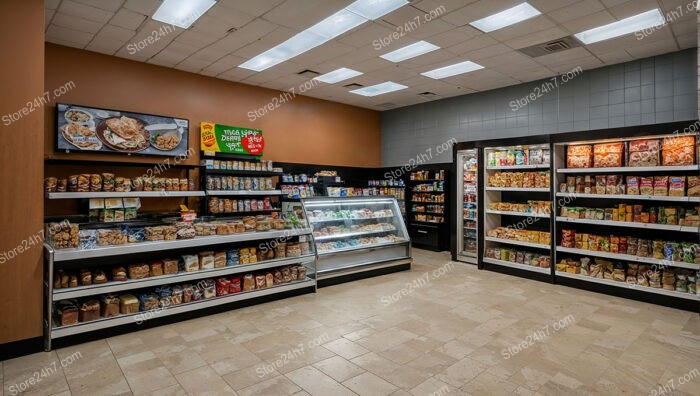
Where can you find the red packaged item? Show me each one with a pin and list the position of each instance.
(222, 286)
(235, 285)
(646, 186)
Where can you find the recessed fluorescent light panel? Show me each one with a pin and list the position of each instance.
(373, 9)
(622, 27)
(511, 16)
(338, 75)
(342, 21)
(182, 13)
(453, 70)
(379, 89)
(410, 51)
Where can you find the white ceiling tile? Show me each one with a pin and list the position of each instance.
(229, 17)
(455, 36)
(195, 38)
(614, 57)
(588, 22)
(262, 44)
(149, 40)
(163, 61)
(116, 33)
(428, 59)
(487, 52)
(180, 48)
(76, 23)
(104, 45)
(48, 14)
(236, 74)
(477, 10)
(85, 11)
(193, 65)
(145, 7)
(302, 15)
(255, 8)
(61, 40)
(546, 6)
(576, 10)
(109, 5)
(211, 27)
(51, 4)
(323, 53)
(370, 33)
(224, 64)
(631, 8)
(370, 65)
(653, 48)
(440, 7)
(473, 44)
(170, 57)
(128, 19)
(687, 40)
(69, 35)
(543, 36)
(523, 28)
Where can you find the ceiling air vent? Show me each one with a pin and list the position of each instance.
(309, 73)
(353, 85)
(551, 47)
(427, 94)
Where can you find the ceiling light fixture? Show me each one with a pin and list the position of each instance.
(338, 75)
(511, 16)
(379, 89)
(342, 21)
(373, 9)
(622, 27)
(410, 51)
(182, 13)
(453, 70)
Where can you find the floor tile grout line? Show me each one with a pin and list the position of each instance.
(118, 365)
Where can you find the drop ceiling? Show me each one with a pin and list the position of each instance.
(234, 31)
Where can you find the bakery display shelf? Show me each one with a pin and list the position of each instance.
(629, 169)
(629, 224)
(510, 213)
(518, 243)
(103, 323)
(519, 167)
(522, 189)
(130, 194)
(518, 266)
(361, 247)
(428, 222)
(430, 213)
(428, 202)
(646, 289)
(631, 197)
(153, 246)
(232, 215)
(243, 192)
(314, 221)
(351, 234)
(239, 172)
(131, 284)
(629, 257)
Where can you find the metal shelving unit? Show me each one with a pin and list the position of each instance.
(243, 193)
(130, 194)
(525, 267)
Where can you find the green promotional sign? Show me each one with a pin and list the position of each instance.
(230, 139)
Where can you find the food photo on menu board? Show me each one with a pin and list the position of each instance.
(81, 128)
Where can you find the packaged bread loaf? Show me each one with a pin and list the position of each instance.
(678, 150)
(50, 184)
(110, 306)
(191, 263)
(156, 268)
(89, 311)
(67, 312)
(579, 156)
(260, 282)
(170, 266)
(608, 155)
(248, 282)
(206, 260)
(119, 274)
(235, 285)
(139, 271)
(83, 183)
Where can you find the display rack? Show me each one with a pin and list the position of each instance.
(467, 206)
(427, 207)
(516, 207)
(628, 216)
(357, 237)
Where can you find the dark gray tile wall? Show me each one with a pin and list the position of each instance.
(649, 91)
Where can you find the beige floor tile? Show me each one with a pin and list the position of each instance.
(375, 363)
(203, 381)
(179, 358)
(279, 385)
(370, 385)
(431, 386)
(346, 348)
(406, 377)
(36, 374)
(248, 376)
(316, 383)
(174, 390)
(462, 372)
(339, 368)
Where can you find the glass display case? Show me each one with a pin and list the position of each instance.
(357, 234)
(467, 226)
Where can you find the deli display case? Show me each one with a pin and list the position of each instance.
(467, 240)
(357, 237)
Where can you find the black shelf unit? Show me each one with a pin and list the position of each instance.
(428, 234)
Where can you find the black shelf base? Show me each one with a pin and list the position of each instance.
(362, 275)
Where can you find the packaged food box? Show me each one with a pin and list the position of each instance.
(644, 153)
(608, 155)
(678, 150)
(579, 156)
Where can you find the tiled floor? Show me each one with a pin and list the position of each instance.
(454, 334)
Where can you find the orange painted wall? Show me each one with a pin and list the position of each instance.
(305, 130)
(21, 169)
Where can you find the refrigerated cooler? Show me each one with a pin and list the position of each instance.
(467, 198)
